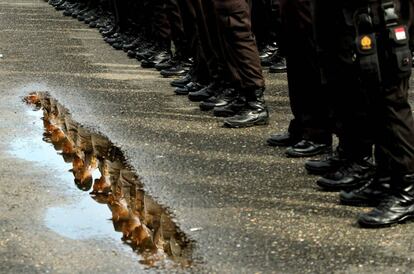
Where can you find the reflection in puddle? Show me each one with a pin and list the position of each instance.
(100, 167)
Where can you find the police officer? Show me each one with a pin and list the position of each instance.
(309, 133)
(236, 82)
(243, 63)
(178, 17)
(371, 37)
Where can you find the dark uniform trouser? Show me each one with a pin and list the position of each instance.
(177, 14)
(120, 12)
(209, 51)
(262, 22)
(349, 102)
(199, 72)
(308, 98)
(179, 18)
(161, 29)
(383, 115)
(238, 45)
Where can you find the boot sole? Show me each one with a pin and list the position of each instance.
(331, 187)
(197, 99)
(224, 114)
(162, 68)
(171, 75)
(402, 220)
(276, 144)
(318, 171)
(303, 155)
(357, 203)
(177, 85)
(206, 108)
(257, 123)
(146, 66)
(180, 93)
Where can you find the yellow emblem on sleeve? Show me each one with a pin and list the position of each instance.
(366, 43)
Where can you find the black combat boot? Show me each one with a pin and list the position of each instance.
(62, 5)
(371, 194)
(178, 70)
(328, 164)
(81, 11)
(278, 66)
(131, 53)
(56, 2)
(133, 45)
(230, 109)
(397, 207)
(111, 31)
(350, 175)
(69, 11)
(283, 139)
(190, 87)
(158, 57)
(254, 112)
(205, 93)
(226, 97)
(307, 148)
(113, 40)
(174, 66)
(275, 58)
(103, 24)
(145, 50)
(74, 13)
(181, 82)
(268, 50)
(167, 64)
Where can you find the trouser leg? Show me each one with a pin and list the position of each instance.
(239, 45)
(308, 99)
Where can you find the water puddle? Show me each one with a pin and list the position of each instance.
(110, 200)
(82, 220)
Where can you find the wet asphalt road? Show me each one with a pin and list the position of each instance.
(259, 212)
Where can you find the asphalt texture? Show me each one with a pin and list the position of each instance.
(248, 208)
